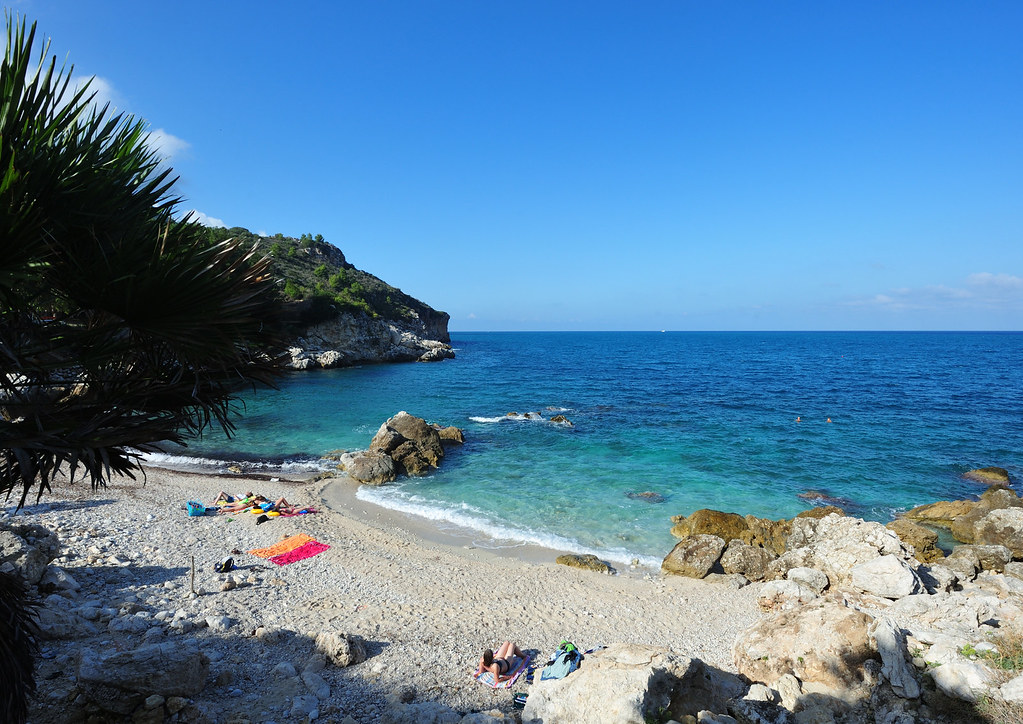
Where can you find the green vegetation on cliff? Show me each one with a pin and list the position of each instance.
(312, 271)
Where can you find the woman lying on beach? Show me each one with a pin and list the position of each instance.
(281, 506)
(502, 663)
(228, 498)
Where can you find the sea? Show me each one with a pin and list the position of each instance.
(659, 424)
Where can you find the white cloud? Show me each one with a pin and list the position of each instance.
(995, 281)
(981, 291)
(165, 144)
(102, 92)
(205, 220)
(472, 315)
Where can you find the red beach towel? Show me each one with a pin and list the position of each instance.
(307, 550)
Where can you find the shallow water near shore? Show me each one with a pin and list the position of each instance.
(731, 421)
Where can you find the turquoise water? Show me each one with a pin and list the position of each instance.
(705, 420)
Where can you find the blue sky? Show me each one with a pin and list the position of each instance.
(596, 165)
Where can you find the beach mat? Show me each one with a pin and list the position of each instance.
(285, 546)
(487, 677)
(307, 550)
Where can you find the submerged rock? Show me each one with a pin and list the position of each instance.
(988, 476)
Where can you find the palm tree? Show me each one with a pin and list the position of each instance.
(120, 325)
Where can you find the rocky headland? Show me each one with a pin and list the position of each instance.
(357, 338)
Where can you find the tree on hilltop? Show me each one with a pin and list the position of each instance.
(120, 325)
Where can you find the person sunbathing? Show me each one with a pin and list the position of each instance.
(228, 498)
(501, 664)
(243, 504)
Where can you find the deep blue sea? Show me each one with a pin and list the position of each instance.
(732, 421)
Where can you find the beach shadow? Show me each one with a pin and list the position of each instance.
(60, 506)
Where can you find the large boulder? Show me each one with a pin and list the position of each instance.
(726, 526)
(924, 540)
(694, 556)
(1002, 528)
(120, 680)
(769, 534)
(372, 468)
(988, 476)
(941, 513)
(823, 642)
(995, 498)
(413, 444)
(340, 648)
(627, 684)
(887, 576)
(836, 544)
(749, 561)
(896, 666)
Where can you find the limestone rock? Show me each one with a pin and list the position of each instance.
(938, 578)
(451, 434)
(1003, 528)
(962, 679)
(988, 476)
(694, 556)
(941, 513)
(413, 444)
(631, 682)
(923, 540)
(986, 557)
(372, 468)
(726, 526)
(784, 595)
(167, 669)
(340, 648)
(964, 526)
(887, 576)
(747, 560)
(890, 642)
(823, 642)
(587, 562)
(809, 577)
(837, 544)
(769, 534)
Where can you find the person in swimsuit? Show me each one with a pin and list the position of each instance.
(502, 663)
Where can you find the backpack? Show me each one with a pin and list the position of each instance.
(565, 660)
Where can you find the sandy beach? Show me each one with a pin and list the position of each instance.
(425, 602)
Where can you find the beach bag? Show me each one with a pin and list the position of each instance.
(195, 508)
(565, 661)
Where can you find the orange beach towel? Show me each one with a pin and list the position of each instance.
(285, 546)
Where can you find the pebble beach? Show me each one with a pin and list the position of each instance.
(425, 602)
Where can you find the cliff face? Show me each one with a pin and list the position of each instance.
(351, 339)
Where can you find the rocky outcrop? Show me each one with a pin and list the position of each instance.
(726, 526)
(352, 339)
(405, 444)
(694, 556)
(923, 540)
(633, 684)
(120, 681)
(964, 526)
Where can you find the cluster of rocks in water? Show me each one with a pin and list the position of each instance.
(404, 445)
